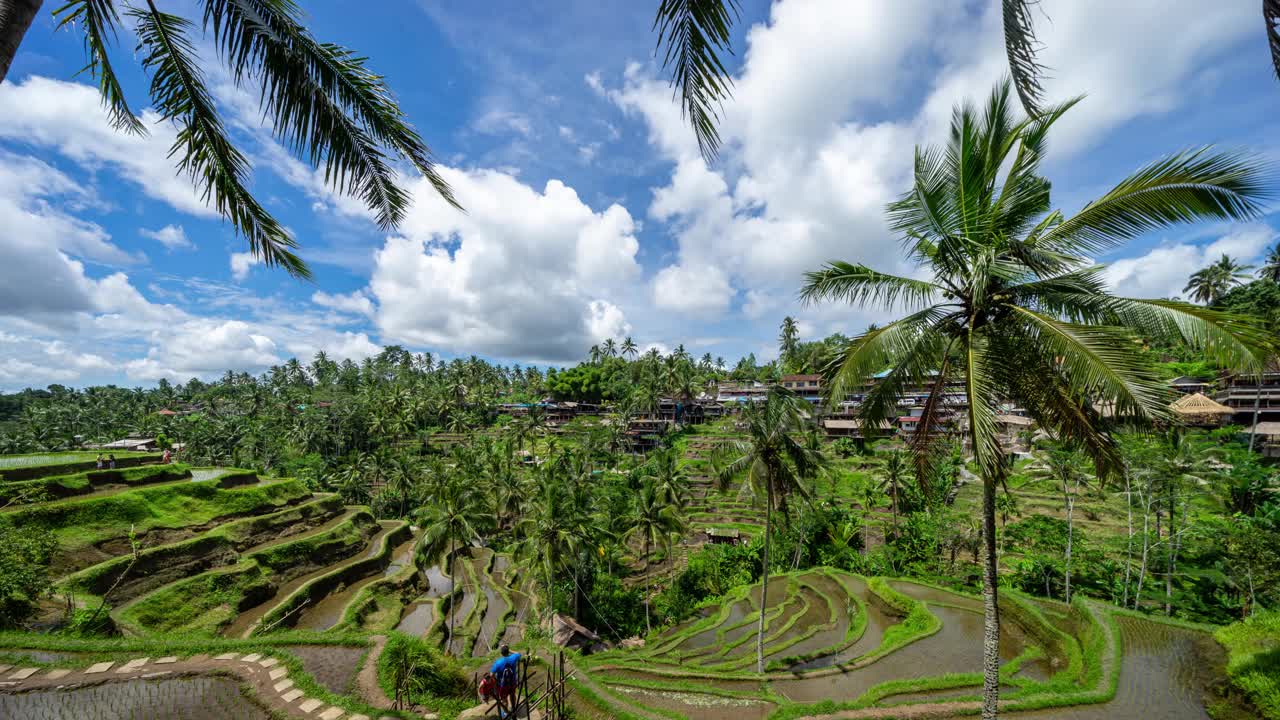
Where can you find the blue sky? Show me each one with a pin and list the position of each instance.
(590, 214)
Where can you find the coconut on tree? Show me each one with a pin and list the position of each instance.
(1010, 307)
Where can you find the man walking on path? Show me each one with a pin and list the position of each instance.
(507, 670)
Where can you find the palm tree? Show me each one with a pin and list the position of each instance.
(672, 480)
(1014, 310)
(609, 348)
(548, 528)
(894, 470)
(1062, 466)
(777, 462)
(653, 516)
(629, 348)
(1271, 266)
(1211, 283)
(788, 340)
(450, 523)
(321, 99)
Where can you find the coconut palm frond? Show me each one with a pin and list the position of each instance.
(859, 284)
(1022, 47)
(1189, 186)
(323, 101)
(695, 33)
(1101, 362)
(97, 19)
(1228, 340)
(203, 147)
(1271, 13)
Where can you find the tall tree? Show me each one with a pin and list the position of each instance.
(1015, 311)
(450, 523)
(1209, 284)
(654, 516)
(321, 100)
(1062, 466)
(1271, 266)
(777, 463)
(628, 348)
(788, 341)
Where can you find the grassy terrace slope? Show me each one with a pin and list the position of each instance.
(94, 530)
(211, 601)
(838, 645)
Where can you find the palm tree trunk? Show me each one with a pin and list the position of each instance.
(990, 604)
(1128, 550)
(764, 589)
(1146, 545)
(448, 568)
(15, 18)
(1257, 396)
(1169, 556)
(1071, 506)
(649, 593)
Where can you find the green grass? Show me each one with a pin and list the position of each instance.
(63, 486)
(34, 465)
(917, 622)
(205, 603)
(229, 536)
(1253, 664)
(78, 523)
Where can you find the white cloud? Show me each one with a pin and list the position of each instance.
(497, 122)
(69, 117)
(356, 302)
(172, 237)
(241, 263)
(699, 290)
(1163, 271)
(514, 277)
(801, 182)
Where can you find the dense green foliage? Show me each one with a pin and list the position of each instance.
(1254, 663)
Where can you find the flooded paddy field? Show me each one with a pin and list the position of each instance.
(197, 698)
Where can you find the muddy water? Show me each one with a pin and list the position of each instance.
(496, 610)
(201, 474)
(438, 584)
(934, 596)
(198, 698)
(956, 648)
(738, 612)
(244, 623)
(458, 613)
(1163, 674)
(332, 666)
(328, 612)
(878, 620)
(836, 616)
(417, 618)
(797, 606)
(696, 706)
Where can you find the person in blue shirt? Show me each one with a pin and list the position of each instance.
(507, 670)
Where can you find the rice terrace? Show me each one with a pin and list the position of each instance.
(717, 360)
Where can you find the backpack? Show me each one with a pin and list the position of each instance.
(507, 673)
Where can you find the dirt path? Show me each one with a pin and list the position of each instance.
(367, 685)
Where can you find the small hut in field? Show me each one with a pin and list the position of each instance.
(1200, 411)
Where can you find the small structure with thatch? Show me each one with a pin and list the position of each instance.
(1198, 410)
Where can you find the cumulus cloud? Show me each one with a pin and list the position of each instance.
(69, 117)
(172, 237)
(802, 182)
(516, 276)
(1163, 271)
(241, 263)
(355, 303)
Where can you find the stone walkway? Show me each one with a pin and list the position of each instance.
(268, 678)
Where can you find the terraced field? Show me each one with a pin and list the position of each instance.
(839, 645)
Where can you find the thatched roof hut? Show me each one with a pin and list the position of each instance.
(1196, 409)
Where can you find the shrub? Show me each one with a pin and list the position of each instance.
(1254, 662)
(24, 570)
